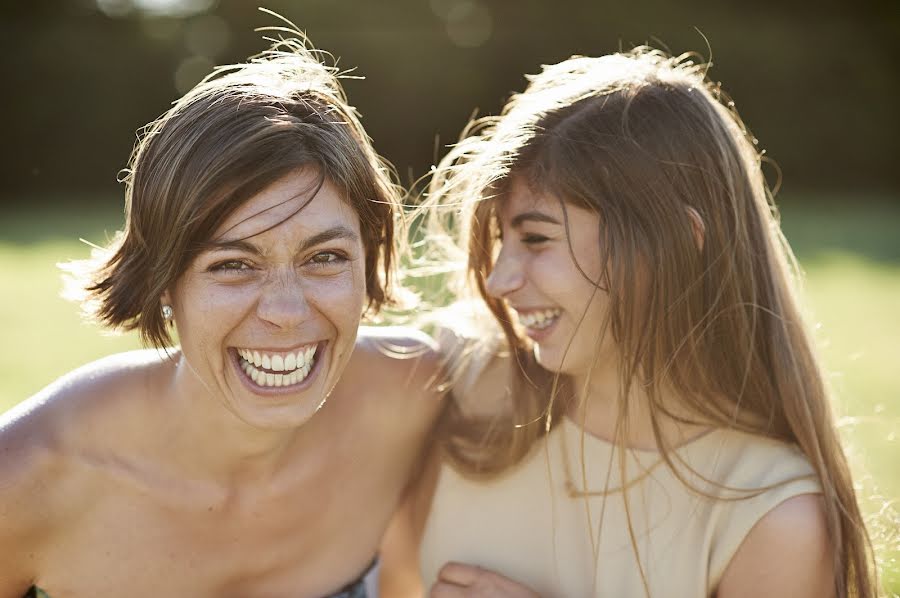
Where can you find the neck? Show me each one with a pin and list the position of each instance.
(212, 443)
(608, 408)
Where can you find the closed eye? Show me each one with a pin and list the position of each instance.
(534, 239)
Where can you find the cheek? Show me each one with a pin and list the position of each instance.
(559, 276)
(213, 307)
(586, 248)
(342, 297)
(205, 312)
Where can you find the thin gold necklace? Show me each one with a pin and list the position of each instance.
(575, 492)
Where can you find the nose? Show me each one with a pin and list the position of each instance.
(283, 301)
(506, 276)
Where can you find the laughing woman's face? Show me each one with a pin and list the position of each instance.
(548, 272)
(268, 314)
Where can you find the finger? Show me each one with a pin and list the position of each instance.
(460, 574)
(448, 590)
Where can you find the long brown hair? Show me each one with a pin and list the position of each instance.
(654, 147)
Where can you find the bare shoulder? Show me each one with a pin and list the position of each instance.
(402, 339)
(787, 553)
(404, 358)
(98, 388)
(48, 449)
(42, 437)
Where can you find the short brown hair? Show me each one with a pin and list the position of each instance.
(239, 130)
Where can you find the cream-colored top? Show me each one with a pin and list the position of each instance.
(526, 524)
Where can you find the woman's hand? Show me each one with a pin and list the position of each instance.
(456, 580)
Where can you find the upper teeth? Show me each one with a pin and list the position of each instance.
(295, 365)
(539, 319)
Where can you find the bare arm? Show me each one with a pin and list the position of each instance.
(18, 550)
(23, 508)
(410, 363)
(475, 372)
(787, 553)
(398, 575)
(40, 495)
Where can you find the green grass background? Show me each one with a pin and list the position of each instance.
(848, 248)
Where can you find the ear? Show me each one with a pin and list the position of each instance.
(165, 298)
(698, 228)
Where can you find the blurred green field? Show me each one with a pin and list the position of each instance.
(850, 252)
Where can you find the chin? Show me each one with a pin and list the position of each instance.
(548, 360)
(557, 362)
(283, 417)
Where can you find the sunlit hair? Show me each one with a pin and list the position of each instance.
(649, 143)
(234, 134)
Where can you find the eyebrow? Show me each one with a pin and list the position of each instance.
(331, 234)
(532, 216)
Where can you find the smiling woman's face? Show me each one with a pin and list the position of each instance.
(546, 272)
(268, 314)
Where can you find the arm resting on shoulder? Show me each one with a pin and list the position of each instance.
(399, 575)
(398, 572)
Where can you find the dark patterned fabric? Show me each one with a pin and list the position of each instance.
(357, 589)
(354, 589)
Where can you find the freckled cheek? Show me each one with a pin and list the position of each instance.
(207, 312)
(236, 300)
(340, 297)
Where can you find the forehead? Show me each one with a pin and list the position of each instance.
(520, 198)
(523, 206)
(298, 192)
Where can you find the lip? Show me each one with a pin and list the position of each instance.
(531, 310)
(278, 391)
(280, 349)
(537, 334)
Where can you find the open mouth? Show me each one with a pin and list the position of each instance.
(539, 319)
(273, 369)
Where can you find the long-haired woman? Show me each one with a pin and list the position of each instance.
(653, 420)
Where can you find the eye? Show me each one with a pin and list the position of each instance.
(230, 266)
(533, 239)
(324, 259)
